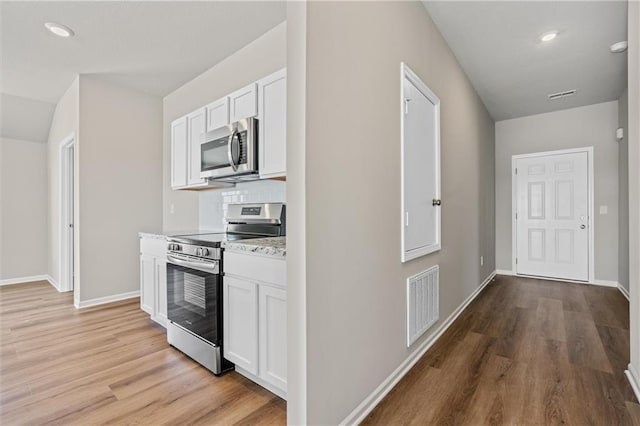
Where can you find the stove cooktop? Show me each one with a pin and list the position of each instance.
(210, 239)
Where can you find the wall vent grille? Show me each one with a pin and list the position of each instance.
(422, 303)
(560, 95)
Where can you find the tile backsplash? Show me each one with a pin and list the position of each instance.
(213, 203)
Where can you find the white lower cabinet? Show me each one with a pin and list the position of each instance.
(240, 309)
(153, 278)
(255, 318)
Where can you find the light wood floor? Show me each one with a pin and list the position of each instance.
(109, 364)
(525, 352)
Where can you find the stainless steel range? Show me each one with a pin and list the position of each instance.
(194, 280)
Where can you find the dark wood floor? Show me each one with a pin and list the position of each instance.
(109, 364)
(525, 352)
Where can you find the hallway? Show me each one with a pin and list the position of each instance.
(525, 351)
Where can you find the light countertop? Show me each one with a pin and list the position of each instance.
(273, 246)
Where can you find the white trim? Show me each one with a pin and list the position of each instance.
(107, 299)
(370, 402)
(504, 272)
(22, 280)
(54, 283)
(634, 380)
(69, 141)
(590, 190)
(405, 256)
(624, 291)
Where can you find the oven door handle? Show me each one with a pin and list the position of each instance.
(211, 267)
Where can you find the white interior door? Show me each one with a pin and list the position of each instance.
(552, 216)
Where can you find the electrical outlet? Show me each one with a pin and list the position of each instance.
(172, 208)
(481, 260)
(604, 210)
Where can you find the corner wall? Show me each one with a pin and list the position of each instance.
(120, 189)
(355, 281)
(623, 182)
(593, 125)
(23, 209)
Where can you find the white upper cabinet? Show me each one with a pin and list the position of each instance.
(272, 116)
(243, 103)
(179, 153)
(217, 114)
(197, 126)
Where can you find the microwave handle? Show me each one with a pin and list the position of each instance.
(232, 138)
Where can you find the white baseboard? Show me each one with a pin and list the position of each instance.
(370, 402)
(54, 283)
(605, 283)
(504, 272)
(634, 380)
(107, 299)
(624, 291)
(22, 280)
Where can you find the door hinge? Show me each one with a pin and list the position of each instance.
(516, 260)
(516, 216)
(406, 105)
(516, 170)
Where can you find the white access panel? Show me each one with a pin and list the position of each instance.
(552, 216)
(420, 122)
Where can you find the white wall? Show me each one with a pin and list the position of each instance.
(634, 185)
(24, 212)
(63, 125)
(120, 184)
(350, 168)
(592, 125)
(258, 59)
(623, 180)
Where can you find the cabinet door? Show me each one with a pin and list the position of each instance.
(179, 153)
(240, 309)
(272, 115)
(217, 114)
(243, 103)
(161, 291)
(196, 125)
(147, 283)
(272, 309)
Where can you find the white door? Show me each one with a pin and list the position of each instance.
(240, 326)
(273, 336)
(196, 126)
(217, 114)
(552, 216)
(179, 153)
(243, 103)
(420, 180)
(272, 116)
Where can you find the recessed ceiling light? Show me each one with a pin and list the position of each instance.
(59, 29)
(548, 36)
(619, 47)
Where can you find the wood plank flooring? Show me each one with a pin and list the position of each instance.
(525, 351)
(109, 364)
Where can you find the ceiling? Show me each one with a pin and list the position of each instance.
(153, 47)
(498, 46)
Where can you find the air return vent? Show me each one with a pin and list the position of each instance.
(422, 303)
(560, 95)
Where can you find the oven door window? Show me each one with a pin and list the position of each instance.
(193, 299)
(215, 154)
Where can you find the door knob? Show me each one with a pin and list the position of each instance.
(436, 202)
(583, 226)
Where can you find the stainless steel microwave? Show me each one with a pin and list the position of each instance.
(230, 153)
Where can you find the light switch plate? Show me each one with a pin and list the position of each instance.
(603, 209)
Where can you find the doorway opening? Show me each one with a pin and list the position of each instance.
(67, 208)
(552, 224)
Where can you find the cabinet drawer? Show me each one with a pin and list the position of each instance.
(259, 268)
(153, 247)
